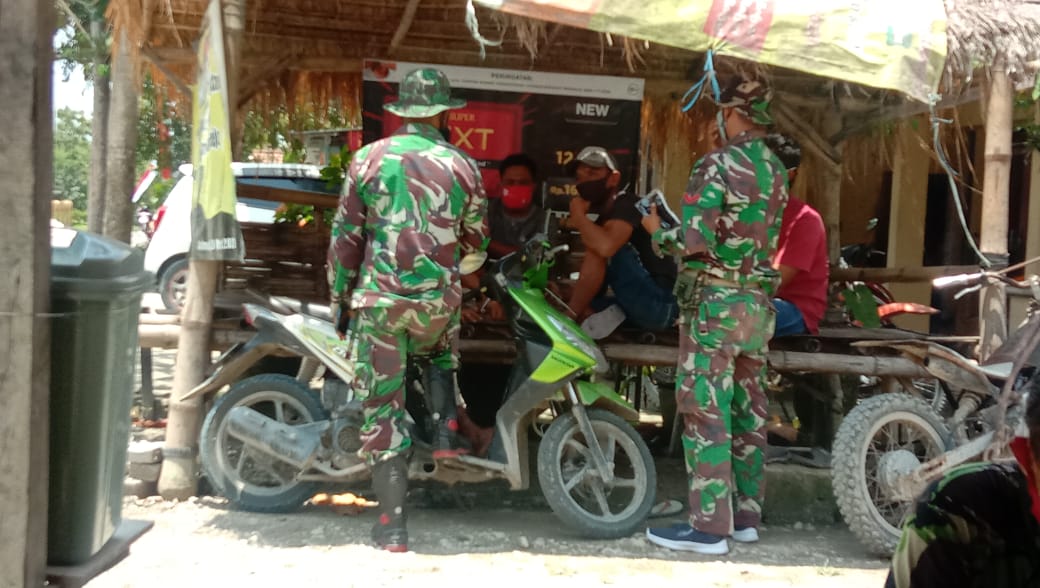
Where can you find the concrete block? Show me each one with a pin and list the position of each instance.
(139, 488)
(799, 494)
(144, 452)
(148, 472)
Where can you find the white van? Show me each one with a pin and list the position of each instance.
(167, 253)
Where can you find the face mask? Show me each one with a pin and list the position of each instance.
(517, 197)
(595, 191)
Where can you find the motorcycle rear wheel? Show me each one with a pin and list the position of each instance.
(573, 487)
(251, 480)
(880, 438)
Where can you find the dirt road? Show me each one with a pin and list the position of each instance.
(202, 543)
(462, 538)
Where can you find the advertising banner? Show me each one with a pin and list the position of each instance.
(215, 232)
(549, 117)
(892, 44)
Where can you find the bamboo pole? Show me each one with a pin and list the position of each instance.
(995, 188)
(898, 274)
(830, 199)
(178, 477)
(504, 351)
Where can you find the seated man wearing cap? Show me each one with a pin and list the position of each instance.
(618, 253)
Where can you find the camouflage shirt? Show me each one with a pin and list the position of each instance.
(412, 204)
(731, 211)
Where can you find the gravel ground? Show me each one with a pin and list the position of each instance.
(472, 535)
(204, 543)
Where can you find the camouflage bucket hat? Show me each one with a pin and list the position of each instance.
(424, 92)
(750, 97)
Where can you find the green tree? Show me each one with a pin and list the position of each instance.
(86, 42)
(163, 134)
(72, 156)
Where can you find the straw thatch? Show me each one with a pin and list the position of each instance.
(307, 54)
(1001, 34)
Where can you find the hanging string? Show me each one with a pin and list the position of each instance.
(940, 152)
(694, 93)
(474, 30)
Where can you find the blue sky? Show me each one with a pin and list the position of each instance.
(75, 93)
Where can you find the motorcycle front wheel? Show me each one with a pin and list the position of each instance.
(250, 479)
(880, 439)
(573, 487)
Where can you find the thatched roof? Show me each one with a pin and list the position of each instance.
(283, 37)
(300, 52)
(992, 33)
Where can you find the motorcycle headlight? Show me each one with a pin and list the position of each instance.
(581, 345)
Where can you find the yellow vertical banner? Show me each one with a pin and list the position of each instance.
(215, 232)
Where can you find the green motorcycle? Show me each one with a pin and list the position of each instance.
(271, 442)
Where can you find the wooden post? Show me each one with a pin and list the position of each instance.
(906, 217)
(995, 187)
(830, 200)
(178, 479)
(25, 194)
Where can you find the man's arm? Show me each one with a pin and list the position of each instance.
(603, 241)
(347, 248)
(787, 273)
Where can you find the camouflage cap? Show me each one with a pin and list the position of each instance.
(423, 93)
(751, 97)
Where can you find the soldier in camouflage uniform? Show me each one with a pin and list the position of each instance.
(412, 204)
(978, 526)
(731, 213)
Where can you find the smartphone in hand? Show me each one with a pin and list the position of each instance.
(668, 218)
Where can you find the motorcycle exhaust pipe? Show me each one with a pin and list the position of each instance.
(295, 445)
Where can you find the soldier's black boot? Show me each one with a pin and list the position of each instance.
(390, 481)
(440, 389)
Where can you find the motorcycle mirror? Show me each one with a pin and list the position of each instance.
(472, 262)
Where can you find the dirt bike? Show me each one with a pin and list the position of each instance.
(891, 446)
(271, 440)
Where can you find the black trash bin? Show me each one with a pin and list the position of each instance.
(96, 288)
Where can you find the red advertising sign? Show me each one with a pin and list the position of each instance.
(549, 117)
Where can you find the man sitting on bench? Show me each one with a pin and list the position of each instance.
(618, 254)
(801, 256)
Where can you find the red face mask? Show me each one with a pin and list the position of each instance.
(517, 197)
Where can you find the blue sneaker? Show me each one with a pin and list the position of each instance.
(683, 537)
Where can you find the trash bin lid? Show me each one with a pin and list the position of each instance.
(81, 257)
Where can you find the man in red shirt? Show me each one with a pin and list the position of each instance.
(801, 256)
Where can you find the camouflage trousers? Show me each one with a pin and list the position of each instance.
(385, 339)
(723, 336)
